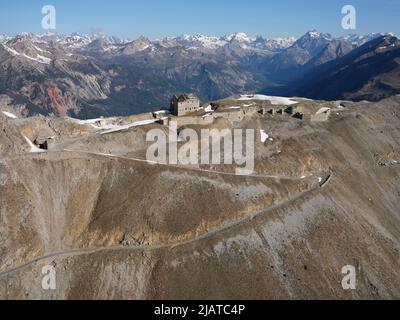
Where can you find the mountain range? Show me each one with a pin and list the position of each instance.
(369, 72)
(91, 75)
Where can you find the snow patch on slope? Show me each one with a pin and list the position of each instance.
(264, 136)
(323, 110)
(116, 128)
(208, 108)
(41, 50)
(9, 115)
(39, 59)
(10, 50)
(272, 99)
(34, 149)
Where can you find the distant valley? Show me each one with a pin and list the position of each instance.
(92, 75)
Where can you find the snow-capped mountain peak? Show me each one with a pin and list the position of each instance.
(316, 35)
(313, 41)
(3, 38)
(359, 40)
(240, 37)
(280, 43)
(200, 41)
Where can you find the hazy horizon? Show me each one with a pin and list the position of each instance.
(101, 32)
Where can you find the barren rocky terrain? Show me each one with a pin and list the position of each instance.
(323, 195)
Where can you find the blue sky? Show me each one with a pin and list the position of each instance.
(160, 18)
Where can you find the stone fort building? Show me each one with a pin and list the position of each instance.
(184, 103)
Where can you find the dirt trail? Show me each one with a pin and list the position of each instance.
(210, 234)
(279, 177)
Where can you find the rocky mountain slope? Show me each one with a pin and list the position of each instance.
(324, 195)
(311, 50)
(48, 79)
(370, 72)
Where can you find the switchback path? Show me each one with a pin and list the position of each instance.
(189, 168)
(207, 235)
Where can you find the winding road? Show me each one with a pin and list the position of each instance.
(323, 179)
